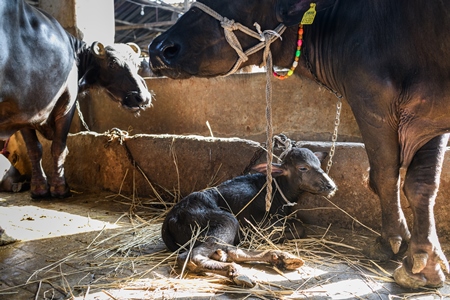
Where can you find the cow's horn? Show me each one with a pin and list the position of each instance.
(98, 49)
(135, 47)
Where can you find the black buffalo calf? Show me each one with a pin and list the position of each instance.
(214, 216)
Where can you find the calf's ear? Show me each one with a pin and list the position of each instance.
(277, 169)
(321, 155)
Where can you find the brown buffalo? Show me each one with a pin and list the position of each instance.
(389, 59)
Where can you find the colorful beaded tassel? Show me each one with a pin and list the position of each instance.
(298, 52)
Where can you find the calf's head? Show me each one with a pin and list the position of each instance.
(302, 172)
(115, 68)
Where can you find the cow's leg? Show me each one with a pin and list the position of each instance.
(39, 186)
(424, 261)
(381, 142)
(58, 186)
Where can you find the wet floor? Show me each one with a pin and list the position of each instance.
(104, 246)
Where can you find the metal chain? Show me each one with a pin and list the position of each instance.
(337, 120)
(334, 137)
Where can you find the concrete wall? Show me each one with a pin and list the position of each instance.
(168, 167)
(86, 19)
(234, 107)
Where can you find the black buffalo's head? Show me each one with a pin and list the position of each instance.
(196, 44)
(115, 68)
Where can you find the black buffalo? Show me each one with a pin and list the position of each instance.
(389, 59)
(42, 70)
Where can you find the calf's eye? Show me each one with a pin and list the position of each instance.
(303, 169)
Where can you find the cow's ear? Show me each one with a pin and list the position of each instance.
(135, 48)
(277, 169)
(98, 50)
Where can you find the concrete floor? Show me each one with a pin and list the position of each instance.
(104, 246)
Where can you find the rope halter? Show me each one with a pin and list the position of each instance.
(265, 37)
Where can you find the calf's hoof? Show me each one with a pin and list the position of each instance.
(287, 261)
(244, 281)
(421, 273)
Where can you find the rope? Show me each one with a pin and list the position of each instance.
(80, 114)
(266, 37)
(269, 130)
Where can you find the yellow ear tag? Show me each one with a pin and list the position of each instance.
(310, 14)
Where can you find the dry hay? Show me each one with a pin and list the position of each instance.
(132, 263)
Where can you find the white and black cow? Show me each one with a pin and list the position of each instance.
(42, 70)
(389, 58)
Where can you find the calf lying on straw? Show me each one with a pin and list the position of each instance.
(213, 216)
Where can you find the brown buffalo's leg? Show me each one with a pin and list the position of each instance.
(424, 260)
(384, 180)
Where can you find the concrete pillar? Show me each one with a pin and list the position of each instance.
(86, 19)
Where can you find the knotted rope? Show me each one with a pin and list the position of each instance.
(266, 38)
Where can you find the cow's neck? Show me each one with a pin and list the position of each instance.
(85, 60)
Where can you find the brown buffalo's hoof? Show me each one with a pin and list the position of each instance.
(416, 281)
(383, 250)
(421, 273)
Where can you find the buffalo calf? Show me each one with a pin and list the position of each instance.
(214, 216)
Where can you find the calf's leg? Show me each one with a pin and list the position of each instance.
(280, 259)
(223, 260)
(425, 260)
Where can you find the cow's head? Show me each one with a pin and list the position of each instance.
(115, 68)
(290, 12)
(196, 44)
